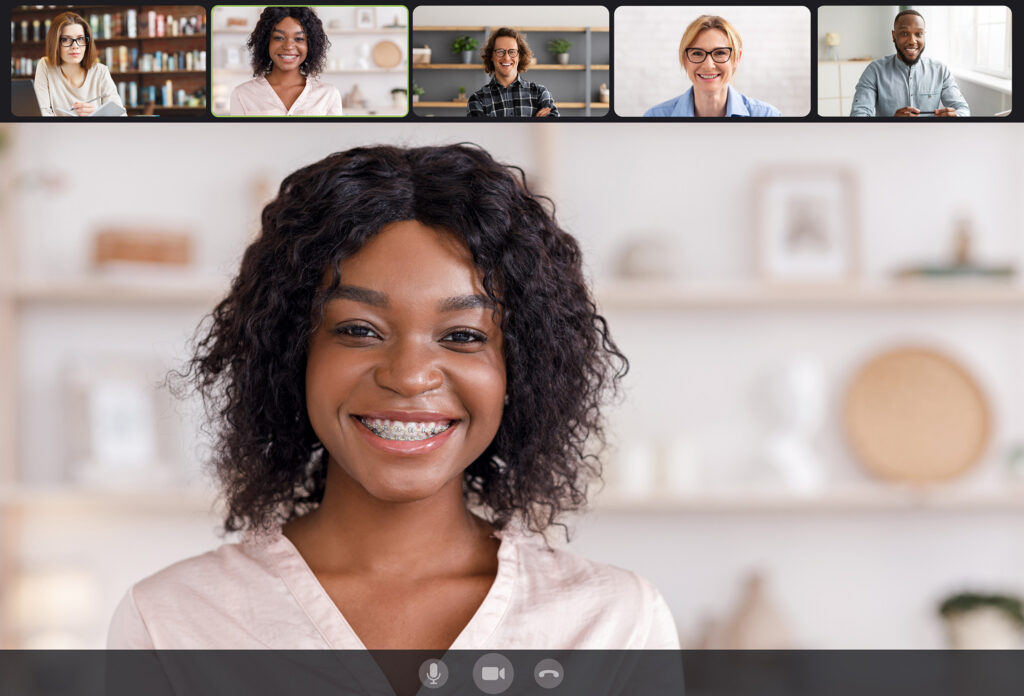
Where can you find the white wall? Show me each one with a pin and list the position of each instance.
(774, 67)
(511, 15)
(864, 31)
(842, 579)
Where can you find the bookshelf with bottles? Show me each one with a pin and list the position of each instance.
(156, 54)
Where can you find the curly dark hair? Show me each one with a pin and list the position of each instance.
(317, 43)
(561, 363)
(525, 54)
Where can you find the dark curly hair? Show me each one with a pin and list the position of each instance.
(561, 363)
(525, 54)
(317, 43)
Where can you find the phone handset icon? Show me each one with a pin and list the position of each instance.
(548, 673)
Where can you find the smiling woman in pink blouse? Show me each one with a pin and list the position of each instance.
(288, 49)
(406, 381)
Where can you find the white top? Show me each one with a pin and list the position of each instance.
(260, 594)
(257, 98)
(54, 91)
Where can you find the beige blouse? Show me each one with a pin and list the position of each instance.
(260, 594)
(257, 98)
(53, 91)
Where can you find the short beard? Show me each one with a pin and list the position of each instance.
(904, 58)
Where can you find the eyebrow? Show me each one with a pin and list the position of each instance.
(375, 298)
(278, 31)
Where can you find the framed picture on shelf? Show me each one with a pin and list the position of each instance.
(806, 224)
(366, 18)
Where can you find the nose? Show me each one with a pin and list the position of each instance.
(409, 368)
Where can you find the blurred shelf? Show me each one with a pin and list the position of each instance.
(184, 291)
(668, 295)
(479, 68)
(462, 105)
(157, 72)
(358, 71)
(855, 500)
(153, 500)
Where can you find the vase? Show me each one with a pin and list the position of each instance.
(467, 57)
(563, 58)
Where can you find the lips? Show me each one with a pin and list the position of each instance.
(406, 433)
(708, 76)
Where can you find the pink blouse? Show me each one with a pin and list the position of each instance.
(261, 594)
(257, 98)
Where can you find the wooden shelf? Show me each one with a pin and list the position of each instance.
(864, 499)
(121, 292)
(668, 295)
(158, 72)
(479, 66)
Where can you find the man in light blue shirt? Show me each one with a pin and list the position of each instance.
(907, 84)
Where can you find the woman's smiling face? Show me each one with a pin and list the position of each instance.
(405, 379)
(288, 45)
(708, 75)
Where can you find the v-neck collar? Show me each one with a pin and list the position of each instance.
(287, 563)
(287, 111)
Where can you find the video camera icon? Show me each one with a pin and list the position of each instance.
(493, 673)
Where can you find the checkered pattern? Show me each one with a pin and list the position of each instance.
(521, 98)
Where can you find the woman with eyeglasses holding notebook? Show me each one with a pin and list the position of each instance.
(710, 52)
(70, 80)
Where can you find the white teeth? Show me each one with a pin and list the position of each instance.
(403, 430)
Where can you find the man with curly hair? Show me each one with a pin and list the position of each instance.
(288, 49)
(405, 382)
(506, 56)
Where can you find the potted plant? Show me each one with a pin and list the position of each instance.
(980, 621)
(462, 94)
(417, 92)
(560, 47)
(465, 45)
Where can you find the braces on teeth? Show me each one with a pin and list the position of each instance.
(398, 430)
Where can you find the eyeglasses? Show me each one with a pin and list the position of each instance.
(719, 55)
(67, 41)
(500, 52)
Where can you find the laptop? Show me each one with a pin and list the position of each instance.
(23, 98)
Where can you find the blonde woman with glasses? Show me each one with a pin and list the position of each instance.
(70, 80)
(710, 52)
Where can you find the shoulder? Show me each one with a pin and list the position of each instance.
(199, 578)
(879, 65)
(666, 108)
(937, 66)
(606, 607)
(756, 107)
(99, 68)
(250, 86)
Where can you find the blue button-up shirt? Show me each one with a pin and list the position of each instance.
(735, 105)
(888, 84)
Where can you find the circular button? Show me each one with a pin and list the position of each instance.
(548, 673)
(433, 674)
(493, 673)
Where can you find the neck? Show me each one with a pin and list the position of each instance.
(286, 77)
(72, 68)
(351, 531)
(710, 104)
(506, 81)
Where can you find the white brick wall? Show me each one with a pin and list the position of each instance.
(775, 66)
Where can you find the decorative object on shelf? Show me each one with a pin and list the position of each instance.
(755, 623)
(831, 44)
(914, 414)
(421, 56)
(237, 23)
(647, 257)
(387, 54)
(794, 397)
(116, 247)
(983, 622)
(417, 92)
(398, 19)
(400, 99)
(604, 94)
(464, 46)
(336, 23)
(462, 95)
(112, 409)
(560, 49)
(366, 18)
(806, 222)
(354, 98)
(961, 263)
(364, 56)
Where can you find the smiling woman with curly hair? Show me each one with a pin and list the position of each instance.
(405, 380)
(288, 49)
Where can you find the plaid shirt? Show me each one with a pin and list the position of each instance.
(521, 98)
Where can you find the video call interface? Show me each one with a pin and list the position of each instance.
(511, 348)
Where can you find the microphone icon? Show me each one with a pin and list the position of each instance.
(433, 673)
(433, 676)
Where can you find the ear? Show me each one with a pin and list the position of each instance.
(739, 54)
(893, 32)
